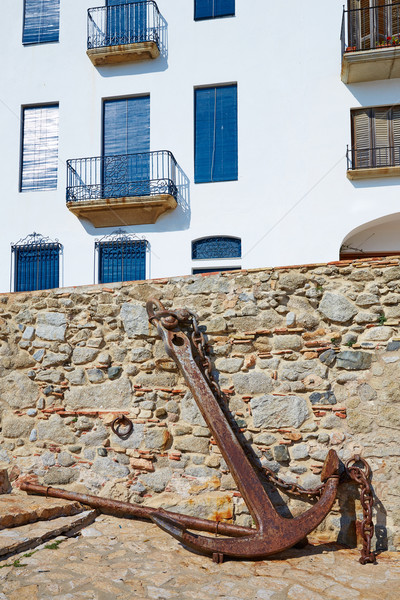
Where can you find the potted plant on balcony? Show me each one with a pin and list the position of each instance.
(351, 49)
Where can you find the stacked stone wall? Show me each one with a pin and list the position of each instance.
(308, 358)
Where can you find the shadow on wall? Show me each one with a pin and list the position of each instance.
(156, 65)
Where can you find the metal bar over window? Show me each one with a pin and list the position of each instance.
(370, 24)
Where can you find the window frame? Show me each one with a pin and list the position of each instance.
(214, 237)
(22, 188)
(212, 17)
(375, 158)
(39, 243)
(215, 86)
(39, 42)
(119, 237)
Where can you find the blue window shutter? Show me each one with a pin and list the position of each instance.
(216, 142)
(39, 148)
(122, 260)
(126, 22)
(41, 21)
(210, 9)
(126, 133)
(36, 267)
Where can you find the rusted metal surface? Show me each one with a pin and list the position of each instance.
(122, 427)
(127, 510)
(362, 476)
(272, 533)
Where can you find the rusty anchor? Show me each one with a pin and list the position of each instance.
(273, 533)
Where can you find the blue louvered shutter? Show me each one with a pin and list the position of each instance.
(216, 144)
(126, 135)
(36, 267)
(122, 261)
(126, 22)
(41, 21)
(210, 9)
(39, 148)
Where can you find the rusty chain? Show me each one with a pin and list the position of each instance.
(362, 476)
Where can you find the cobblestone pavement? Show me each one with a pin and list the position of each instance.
(120, 559)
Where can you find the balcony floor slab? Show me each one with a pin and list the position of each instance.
(371, 65)
(114, 212)
(110, 55)
(373, 173)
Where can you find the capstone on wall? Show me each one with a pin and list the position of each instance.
(308, 358)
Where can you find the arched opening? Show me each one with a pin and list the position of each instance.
(380, 237)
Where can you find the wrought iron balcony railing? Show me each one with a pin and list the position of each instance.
(121, 176)
(372, 158)
(124, 24)
(371, 27)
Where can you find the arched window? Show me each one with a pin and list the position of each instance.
(216, 247)
(36, 263)
(121, 257)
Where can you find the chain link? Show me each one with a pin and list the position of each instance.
(362, 476)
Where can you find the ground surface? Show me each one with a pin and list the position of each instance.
(121, 559)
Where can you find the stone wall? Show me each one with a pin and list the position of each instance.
(308, 358)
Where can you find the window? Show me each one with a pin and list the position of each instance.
(211, 9)
(41, 21)
(126, 147)
(217, 247)
(121, 257)
(372, 23)
(39, 148)
(216, 144)
(126, 22)
(375, 137)
(36, 263)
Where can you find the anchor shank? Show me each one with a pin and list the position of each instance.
(260, 506)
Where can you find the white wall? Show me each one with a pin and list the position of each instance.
(292, 203)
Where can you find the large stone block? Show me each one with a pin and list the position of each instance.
(18, 391)
(352, 360)
(51, 326)
(133, 441)
(55, 431)
(190, 412)
(279, 411)
(253, 382)
(337, 308)
(108, 395)
(135, 320)
(16, 427)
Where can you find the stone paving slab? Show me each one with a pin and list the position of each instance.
(116, 559)
(20, 509)
(26, 537)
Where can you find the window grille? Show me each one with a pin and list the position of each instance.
(126, 22)
(121, 257)
(36, 263)
(39, 148)
(211, 9)
(216, 137)
(217, 247)
(41, 21)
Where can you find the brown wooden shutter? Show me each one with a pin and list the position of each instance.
(382, 118)
(395, 21)
(362, 142)
(396, 135)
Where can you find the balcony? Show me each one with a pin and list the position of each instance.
(369, 163)
(128, 189)
(371, 43)
(124, 33)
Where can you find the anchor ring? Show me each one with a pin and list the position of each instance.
(357, 458)
(122, 421)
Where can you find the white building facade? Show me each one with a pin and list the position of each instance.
(184, 120)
